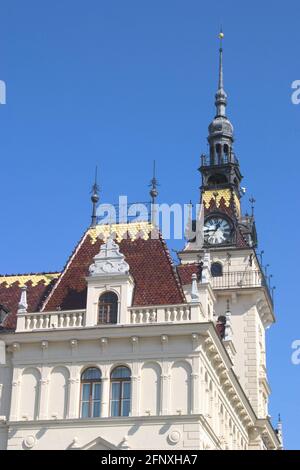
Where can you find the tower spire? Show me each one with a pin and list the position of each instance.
(153, 194)
(221, 97)
(221, 36)
(220, 169)
(95, 199)
(279, 432)
(153, 184)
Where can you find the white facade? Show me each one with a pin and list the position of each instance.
(189, 389)
(122, 350)
(125, 351)
(251, 309)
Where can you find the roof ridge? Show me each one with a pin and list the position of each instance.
(44, 273)
(194, 263)
(69, 261)
(173, 265)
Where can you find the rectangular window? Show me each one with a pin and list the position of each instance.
(85, 409)
(115, 398)
(125, 399)
(96, 409)
(91, 400)
(85, 400)
(120, 398)
(96, 400)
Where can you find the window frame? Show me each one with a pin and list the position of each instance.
(216, 263)
(120, 400)
(91, 401)
(108, 315)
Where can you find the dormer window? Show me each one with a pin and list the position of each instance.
(108, 308)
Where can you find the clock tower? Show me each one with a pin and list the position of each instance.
(221, 177)
(225, 259)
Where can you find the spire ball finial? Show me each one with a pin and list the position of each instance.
(221, 37)
(95, 198)
(221, 97)
(252, 202)
(153, 185)
(153, 194)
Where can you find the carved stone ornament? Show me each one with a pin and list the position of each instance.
(205, 278)
(23, 305)
(109, 260)
(124, 443)
(164, 339)
(194, 292)
(75, 443)
(174, 436)
(29, 442)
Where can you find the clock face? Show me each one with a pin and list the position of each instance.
(217, 230)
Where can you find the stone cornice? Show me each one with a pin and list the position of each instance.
(267, 431)
(205, 330)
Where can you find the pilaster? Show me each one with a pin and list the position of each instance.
(136, 384)
(74, 392)
(165, 390)
(135, 395)
(105, 397)
(44, 393)
(15, 394)
(251, 359)
(195, 377)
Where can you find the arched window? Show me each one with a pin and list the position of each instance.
(120, 392)
(226, 153)
(108, 308)
(90, 393)
(219, 153)
(216, 270)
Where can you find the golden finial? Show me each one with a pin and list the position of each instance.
(221, 37)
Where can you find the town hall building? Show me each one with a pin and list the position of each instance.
(123, 349)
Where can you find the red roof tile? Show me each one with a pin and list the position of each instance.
(156, 280)
(150, 265)
(10, 297)
(185, 272)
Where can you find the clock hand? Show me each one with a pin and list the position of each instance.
(217, 228)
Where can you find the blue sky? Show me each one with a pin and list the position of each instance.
(118, 83)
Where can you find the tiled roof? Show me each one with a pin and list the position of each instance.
(185, 272)
(156, 280)
(225, 202)
(150, 265)
(38, 285)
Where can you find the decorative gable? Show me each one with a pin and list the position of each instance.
(109, 273)
(109, 261)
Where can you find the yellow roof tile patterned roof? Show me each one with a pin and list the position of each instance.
(23, 279)
(135, 230)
